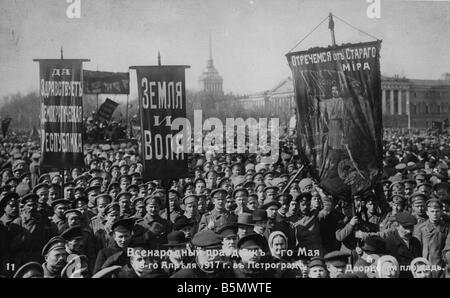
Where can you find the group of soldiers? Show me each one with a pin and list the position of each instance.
(235, 216)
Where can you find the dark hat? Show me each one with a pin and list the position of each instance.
(54, 243)
(224, 191)
(114, 184)
(152, 198)
(253, 241)
(92, 188)
(443, 185)
(73, 232)
(123, 225)
(181, 222)
(249, 184)
(123, 194)
(337, 258)
(269, 203)
(34, 266)
(39, 186)
(8, 197)
(44, 177)
(27, 197)
(398, 198)
(189, 198)
(187, 185)
(126, 176)
(11, 180)
(239, 190)
(227, 230)
(434, 201)
(424, 184)
(288, 197)
(259, 215)
(374, 245)
(207, 239)
(270, 187)
(59, 202)
(70, 211)
(70, 184)
(316, 262)
(405, 219)
(303, 196)
(418, 196)
(112, 207)
(92, 180)
(132, 187)
(176, 238)
(103, 195)
(174, 192)
(245, 219)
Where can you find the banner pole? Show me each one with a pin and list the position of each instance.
(293, 179)
(126, 121)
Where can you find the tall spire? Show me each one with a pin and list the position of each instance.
(210, 60)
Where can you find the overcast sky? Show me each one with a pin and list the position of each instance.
(250, 38)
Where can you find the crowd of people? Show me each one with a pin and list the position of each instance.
(236, 215)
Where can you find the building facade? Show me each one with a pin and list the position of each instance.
(405, 102)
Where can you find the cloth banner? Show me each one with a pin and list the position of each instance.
(101, 82)
(162, 100)
(338, 95)
(61, 91)
(106, 110)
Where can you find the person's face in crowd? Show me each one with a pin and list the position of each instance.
(250, 256)
(388, 270)
(91, 197)
(398, 189)
(206, 257)
(57, 179)
(124, 183)
(293, 207)
(219, 201)
(60, 209)
(229, 204)
(434, 213)
(270, 194)
(409, 189)
(122, 238)
(134, 192)
(386, 190)
(294, 187)
(69, 193)
(73, 220)
(370, 206)
(227, 172)
(279, 247)
(29, 210)
(397, 207)
(114, 191)
(124, 170)
(272, 212)
(56, 259)
(425, 189)
(101, 205)
(241, 199)
(236, 171)
(139, 263)
(140, 210)
(82, 207)
(211, 180)
(43, 195)
(199, 187)
(227, 186)
(132, 168)
(115, 172)
(419, 208)
(6, 175)
(446, 209)
(422, 271)
(307, 188)
(229, 244)
(260, 227)
(317, 272)
(94, 165)
(188, 231)
(316, 201)
(198, 174)
(173, 201)
(304, 206)
(244, 230)
(53, 194)
(26, 180)
(112, 217)
(203, 204)
(191, 209)
(152, 208)
(442, 194)
(12, 208)
(142, 192)
(258, 179)
(252, 204)
(124, 203)
(76, 245)
(405, 232)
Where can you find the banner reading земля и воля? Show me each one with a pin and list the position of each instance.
(338, 95)
(61, 91)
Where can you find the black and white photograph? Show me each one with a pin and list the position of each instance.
(232, 139)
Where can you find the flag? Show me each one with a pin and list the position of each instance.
(338, 96)
(5, 125)
(102, 82)
(106, 110)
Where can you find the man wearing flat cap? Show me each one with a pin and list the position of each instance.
(208, 245)
(418, 207)
(9, 208)
(174, 206)
(121, 232)
(219, 214)
(27, 233)
(401, 243)
(336, 262)
(43, 208)
(55, 255)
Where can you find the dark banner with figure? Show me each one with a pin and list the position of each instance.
(338, 94)
(162, 100)
(102, 82)
(107, 109)
(61, 91)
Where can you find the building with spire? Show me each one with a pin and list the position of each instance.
(210, 81)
